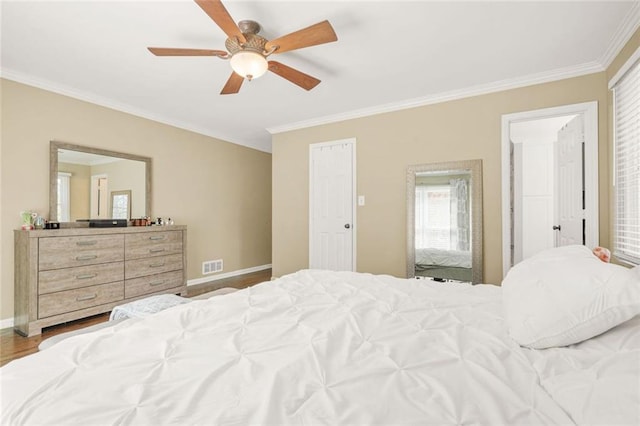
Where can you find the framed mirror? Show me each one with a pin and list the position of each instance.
(444, 221)
(92, 183)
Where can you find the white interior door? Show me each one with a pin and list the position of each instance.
(534, 198)
(331, 206)
(570, 228)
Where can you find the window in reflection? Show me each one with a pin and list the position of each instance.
(63, 206)
(120, 204)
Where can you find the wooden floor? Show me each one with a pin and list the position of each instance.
(14, 346)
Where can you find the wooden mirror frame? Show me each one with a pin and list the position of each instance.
(475, 169)
(54, 146)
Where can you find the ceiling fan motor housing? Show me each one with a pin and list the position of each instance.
(255, 43)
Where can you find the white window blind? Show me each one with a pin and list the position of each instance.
(626, 244)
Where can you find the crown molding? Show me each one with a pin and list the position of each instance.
(92, 98)
(483, 89)
(627, 28)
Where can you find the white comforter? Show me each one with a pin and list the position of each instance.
(310, 348)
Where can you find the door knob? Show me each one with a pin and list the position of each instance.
(347, 226)
(556, 227)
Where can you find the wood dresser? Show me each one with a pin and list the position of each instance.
(67, 274)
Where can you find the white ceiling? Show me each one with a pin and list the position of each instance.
(389, 55)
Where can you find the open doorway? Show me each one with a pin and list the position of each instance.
(549, 180)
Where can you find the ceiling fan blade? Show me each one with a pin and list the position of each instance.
(216, 11)
(293, 75)
(169, 51)
(233, 84)
(319, 33)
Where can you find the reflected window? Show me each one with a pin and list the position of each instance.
(442, 216)
(64, 204)
(433, 217)
(120, 204)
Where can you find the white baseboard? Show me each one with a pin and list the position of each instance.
(8, 323)
(227, 275)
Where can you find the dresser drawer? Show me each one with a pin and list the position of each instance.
(82, 276)
(74, 300)
(150, 244)
(152, 266)
(152, 283)
(66, 252)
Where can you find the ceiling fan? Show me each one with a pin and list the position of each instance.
(248, 52)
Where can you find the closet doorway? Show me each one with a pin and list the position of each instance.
(549, 180)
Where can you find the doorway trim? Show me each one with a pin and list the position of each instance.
(589, 110)
(94, 198)
(354, 226)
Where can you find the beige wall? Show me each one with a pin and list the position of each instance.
(387, 143)
(221, 191)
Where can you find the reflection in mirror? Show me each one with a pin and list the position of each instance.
(444, 226)
(84, 181)
(120, 204)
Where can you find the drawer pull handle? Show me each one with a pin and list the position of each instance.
(157, 237)
(87, 257)
(155, 283)
(156, 250)
(83, 298)
(156, 265)
(87, 243)
(86, 276)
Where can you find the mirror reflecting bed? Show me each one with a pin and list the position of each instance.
(92, 183)
(444, 221)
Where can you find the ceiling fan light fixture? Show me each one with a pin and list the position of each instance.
(249, 64)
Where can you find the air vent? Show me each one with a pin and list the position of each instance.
(211, 266)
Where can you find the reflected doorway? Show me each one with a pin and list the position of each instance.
(99, 197)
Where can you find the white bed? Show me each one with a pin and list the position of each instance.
(319, 347)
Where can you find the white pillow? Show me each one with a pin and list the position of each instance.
(566, 295)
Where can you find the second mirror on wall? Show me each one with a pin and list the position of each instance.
(444, 226)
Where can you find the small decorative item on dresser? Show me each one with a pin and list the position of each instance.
(143, 221)
(52, 225)
(39, 222)
(27, 219)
